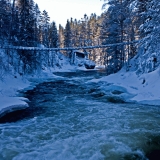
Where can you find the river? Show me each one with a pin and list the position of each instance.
(66, 121)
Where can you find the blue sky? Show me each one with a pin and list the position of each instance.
(61, 10)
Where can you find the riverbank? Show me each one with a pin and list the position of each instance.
(10, 85)
(9, 99)
(142, 89)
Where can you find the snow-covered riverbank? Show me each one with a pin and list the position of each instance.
(10, 86)
(144, 89)
(9, 99)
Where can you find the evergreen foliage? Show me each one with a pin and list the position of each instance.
(22, 24)
(5, 15)
(68, 35)
(53, 36)
(148, 58)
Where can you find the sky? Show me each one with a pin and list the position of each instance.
(61, 10)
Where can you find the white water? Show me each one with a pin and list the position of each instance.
(70, 124)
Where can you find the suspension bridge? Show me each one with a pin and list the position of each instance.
(33, 57)
(67, 48)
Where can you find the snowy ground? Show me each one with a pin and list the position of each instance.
(11, 84)
(8, 93)
(143, 89)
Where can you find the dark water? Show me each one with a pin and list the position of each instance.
(66, 121)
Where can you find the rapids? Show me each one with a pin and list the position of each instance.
(65, 121)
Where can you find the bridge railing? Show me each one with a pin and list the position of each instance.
(112, 56)
(66, 48)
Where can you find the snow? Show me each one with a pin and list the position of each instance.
(9, 99)
(130, 87)
(143, 89)
(10, 85)
(126, 86)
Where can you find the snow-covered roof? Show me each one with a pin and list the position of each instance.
(77, 51)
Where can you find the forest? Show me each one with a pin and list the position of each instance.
(23, 24)
(53, 108)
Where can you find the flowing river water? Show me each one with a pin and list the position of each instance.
(66, 121)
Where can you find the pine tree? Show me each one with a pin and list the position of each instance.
(115, 34)
(120, 24)
(5, 15)
(83, 35)
(142, 6)
(68, 35)
(38, 17)
(45, 28)
(73, 32)
(61, 36)
(151, 27)
(27, 21)
(53, 36)
(130, 27)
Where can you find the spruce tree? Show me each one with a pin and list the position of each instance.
(37, 15)
(114, 27)
(27, 21)
(68, 35)
(151, 27)
(53, 36)
(61, 36)
(5, 16)
(45, 28)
